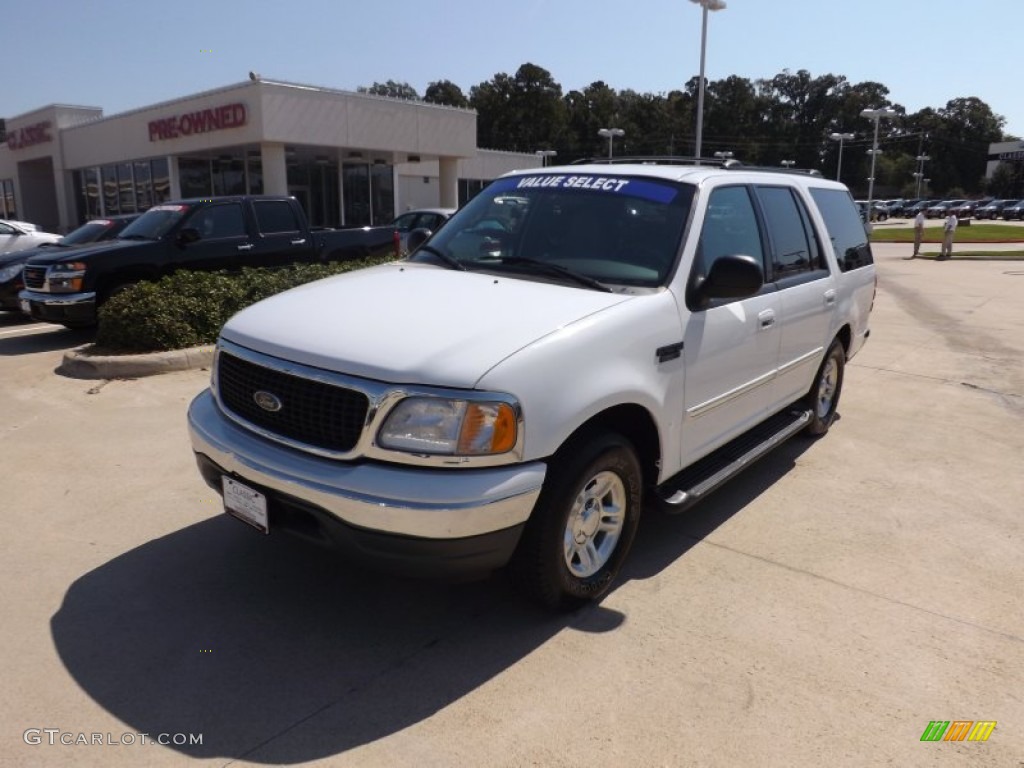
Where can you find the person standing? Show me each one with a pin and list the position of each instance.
(948, 228)
(918, 232)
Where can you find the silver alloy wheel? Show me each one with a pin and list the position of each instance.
(827, 387)
(594, 524)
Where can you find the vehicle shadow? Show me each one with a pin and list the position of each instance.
(48, 339)
(279, 652)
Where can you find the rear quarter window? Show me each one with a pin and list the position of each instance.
(845, 228)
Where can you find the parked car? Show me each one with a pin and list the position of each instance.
(941, 210)
(642, 333)
(967, 208)
(992, 210)
(97, 230)
(879, 211)
(19, 236)
(68, 287)
(919, 207)
(1014, 212)
(430, 219)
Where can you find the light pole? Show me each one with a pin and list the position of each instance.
(544, 154)
(610, 134)
(724, 155)
(787, 163)
(876, 115)
(921, 159)
(840, 137)
(706, 5)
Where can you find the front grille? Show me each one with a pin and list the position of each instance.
(34, 277)
(321, 415)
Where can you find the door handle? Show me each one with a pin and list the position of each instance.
(830, 297)
(766, 318)
(245, 247)
(298, 242)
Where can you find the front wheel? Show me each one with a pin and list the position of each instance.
(823, 399)
(584, 524)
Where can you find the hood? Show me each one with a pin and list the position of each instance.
(409, 323)
(56, 254)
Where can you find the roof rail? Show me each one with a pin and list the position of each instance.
(657, 160)
(775, 169)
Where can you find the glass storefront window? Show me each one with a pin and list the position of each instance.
(228, 176)
(255, 174)
(143, 186)
(195, 177)
(110, 205)
(126, 188)
(382, 186)
(356, 190)
(7, 206)
(161, 180)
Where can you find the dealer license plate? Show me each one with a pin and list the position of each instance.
(248, 505)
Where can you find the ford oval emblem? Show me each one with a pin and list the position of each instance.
(268, 401)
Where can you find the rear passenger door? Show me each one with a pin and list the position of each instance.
(280, 235)
(731, 347)
(806, 290)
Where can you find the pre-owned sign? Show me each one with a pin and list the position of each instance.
(19, 138)
(200, 121)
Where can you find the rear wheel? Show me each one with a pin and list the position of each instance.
(584, 524)
(823, 399)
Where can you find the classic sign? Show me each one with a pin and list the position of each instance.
(30, 135)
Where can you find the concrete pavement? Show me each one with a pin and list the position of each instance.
(821, 609)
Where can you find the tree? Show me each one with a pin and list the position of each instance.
(392, 90)
(520, 113)
(445, 92)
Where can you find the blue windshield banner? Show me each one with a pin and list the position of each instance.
(613, 185)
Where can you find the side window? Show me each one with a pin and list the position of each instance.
(6, 229)
(218, 221)
(404, 223)
(730, 228)
(845, 228)
(794, 245)
(275, 216)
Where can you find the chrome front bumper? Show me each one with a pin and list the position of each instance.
(386, 498)
(58, 299)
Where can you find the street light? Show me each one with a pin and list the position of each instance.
(706, 5)
(544, 154)
(921, 159)
(840, 137)
(724, 155)
(610, 134)
(876, 115)
(787, 163)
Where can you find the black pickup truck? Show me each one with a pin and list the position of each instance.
(67, 287)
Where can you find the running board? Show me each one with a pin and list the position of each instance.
(695, 482)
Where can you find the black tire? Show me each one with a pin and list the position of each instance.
(595, 478)
(823, 397)
(116, 288)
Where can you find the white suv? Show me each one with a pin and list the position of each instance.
(572, 345)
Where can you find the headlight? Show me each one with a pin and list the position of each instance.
(9, 273)
(450, 427)
(66, 278)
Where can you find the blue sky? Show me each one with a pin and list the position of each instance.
(120, 55)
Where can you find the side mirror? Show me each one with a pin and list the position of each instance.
(189, 235)
(417, 238)
(730, 277)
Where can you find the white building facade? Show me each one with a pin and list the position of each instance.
(351, 159)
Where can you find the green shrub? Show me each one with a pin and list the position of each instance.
(186, 309)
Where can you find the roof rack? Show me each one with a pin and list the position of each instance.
(657, 160)
(726, 163)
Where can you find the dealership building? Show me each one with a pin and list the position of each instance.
(351, 159)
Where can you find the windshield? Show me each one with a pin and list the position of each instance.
(618, 230)
(87, 233)
(154, 223)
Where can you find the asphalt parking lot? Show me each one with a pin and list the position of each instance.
(821, 609)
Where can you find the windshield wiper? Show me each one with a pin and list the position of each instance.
(555, 269)
(453, 263)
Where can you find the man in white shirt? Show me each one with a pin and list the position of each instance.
(918, 232)
(947, 236)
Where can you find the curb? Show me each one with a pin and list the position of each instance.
(78, 363)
